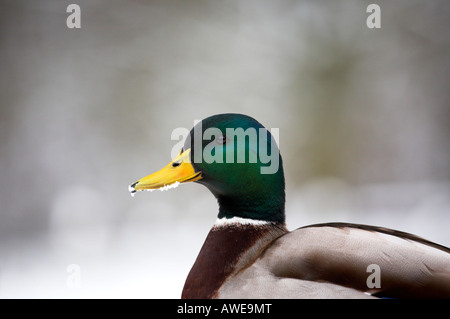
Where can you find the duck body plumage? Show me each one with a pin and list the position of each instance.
(318, 261)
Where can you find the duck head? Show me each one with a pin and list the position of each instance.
(237, 159)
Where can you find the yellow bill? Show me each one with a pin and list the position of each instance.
(180, 170)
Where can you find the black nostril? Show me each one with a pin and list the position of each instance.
(175, 164)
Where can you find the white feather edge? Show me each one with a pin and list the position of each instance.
(220, 222)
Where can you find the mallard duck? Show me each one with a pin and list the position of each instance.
(249, 253)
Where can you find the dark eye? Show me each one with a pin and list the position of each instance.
(221, 140)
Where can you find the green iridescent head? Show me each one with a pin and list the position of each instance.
(238, 160)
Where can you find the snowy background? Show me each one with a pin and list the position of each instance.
(364, 119)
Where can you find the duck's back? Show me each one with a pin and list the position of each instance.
(345, 261)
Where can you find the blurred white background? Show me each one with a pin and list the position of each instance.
(364, 118)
